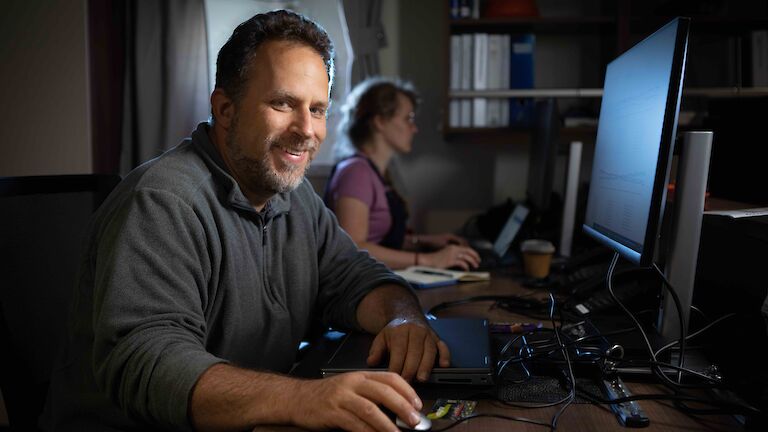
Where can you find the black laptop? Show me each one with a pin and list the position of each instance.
(494, 255)
(468, 340)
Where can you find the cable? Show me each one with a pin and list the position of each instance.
(696, 309)
(683, 323)
(679, 369)
(609, 282)
(564, 350)
(672, 397)
(698, 332)
(534, 405)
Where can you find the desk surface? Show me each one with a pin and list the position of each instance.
(577, 417)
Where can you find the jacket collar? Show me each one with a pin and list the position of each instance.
(278, 204)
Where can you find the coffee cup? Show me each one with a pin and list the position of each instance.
(537, 257)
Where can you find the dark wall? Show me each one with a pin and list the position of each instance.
(438, 174)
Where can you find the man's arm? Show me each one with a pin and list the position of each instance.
(394, 314)
(229, 398)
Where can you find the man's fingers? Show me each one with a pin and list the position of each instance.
(381, 393)
(398, 346)
(378, 348)
(350, 421)
(414, 354)
(371, 418)
(445, 354)
(427, 360)
(402, 387)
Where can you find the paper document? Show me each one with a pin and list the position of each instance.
(736, 214)
(430, 277)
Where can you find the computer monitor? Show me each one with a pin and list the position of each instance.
(543, 155)
(635, 140)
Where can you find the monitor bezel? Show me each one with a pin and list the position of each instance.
(644, 256)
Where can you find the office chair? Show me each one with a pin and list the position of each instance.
(43, 223)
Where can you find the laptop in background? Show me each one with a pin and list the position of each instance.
(492, 255)
(467, 338)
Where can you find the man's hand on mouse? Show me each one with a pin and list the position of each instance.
(412, 346)
(350, 401)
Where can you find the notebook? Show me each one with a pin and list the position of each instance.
(429, 277)
(492, 255)
(467, 338)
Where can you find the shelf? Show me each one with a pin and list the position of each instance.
(703, 24)
(726, 91)
(506, 135)
(598, 92)
(528, 93)
(529, 24)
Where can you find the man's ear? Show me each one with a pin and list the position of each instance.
(223, 108)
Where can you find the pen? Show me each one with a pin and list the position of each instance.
(514, 327)
(433, 273)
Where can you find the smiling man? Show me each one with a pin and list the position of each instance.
(207, 266)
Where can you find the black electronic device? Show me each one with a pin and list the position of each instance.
(635, 139)
(543, 155)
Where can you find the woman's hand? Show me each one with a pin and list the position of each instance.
(439, 241)
(451, 256)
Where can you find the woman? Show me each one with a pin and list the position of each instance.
(378, 124)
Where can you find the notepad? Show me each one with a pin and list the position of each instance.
(430, 277)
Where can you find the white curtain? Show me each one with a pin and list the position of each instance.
(367, 36)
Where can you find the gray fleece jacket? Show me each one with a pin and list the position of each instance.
(180, 272)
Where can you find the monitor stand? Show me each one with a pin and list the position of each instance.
(571, 192)
(680, 262)
(682, 257)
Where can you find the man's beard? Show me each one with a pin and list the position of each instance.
(259, 174)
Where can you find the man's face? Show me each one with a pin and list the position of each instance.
(279, 121)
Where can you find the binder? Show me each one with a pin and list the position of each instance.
(480, 75)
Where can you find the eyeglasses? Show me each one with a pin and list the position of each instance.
(411, 117)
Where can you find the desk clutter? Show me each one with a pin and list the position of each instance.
(559, 358)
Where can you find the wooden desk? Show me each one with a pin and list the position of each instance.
(577, 417)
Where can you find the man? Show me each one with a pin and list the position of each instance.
(206, 267)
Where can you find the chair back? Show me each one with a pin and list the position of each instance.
(43, 223)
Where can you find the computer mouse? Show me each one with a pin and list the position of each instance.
(424, 423)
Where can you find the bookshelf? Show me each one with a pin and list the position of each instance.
(608, 28)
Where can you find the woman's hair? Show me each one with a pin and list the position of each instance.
(372, 97)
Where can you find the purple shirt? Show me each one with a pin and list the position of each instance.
(355, 178)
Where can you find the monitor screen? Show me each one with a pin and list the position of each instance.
(543, 155)
(635, 139)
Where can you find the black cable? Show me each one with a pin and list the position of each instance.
(682, 321)
(696, 333)
(609, 282)
(696, 309)
(673, 397)
(534, 405)
(679, 369)
(572, 395)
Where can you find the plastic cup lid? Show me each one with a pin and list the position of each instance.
(537, 246)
